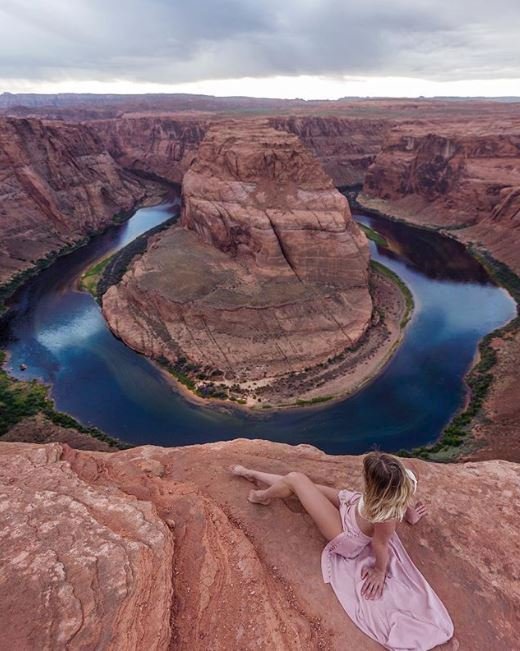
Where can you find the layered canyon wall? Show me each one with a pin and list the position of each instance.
(68, 179)
(58, 184)
(60, 181)
(153, 145)
(266, 274)
(345, 147)
(464, 178)
(158, 548)
(165, 145)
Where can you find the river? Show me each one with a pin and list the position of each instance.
(60, 334)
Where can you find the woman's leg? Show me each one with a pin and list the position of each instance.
(325, 515)
(270, 478)
(255, 475)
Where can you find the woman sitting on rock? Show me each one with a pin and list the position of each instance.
(371, 573)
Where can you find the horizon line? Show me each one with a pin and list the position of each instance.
(253, 97)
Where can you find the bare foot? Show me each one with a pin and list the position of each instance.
(240, 471)
(256, 497)
(414, 513)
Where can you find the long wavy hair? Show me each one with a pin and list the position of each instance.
(388, 487)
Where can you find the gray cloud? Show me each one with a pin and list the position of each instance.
(171, 41)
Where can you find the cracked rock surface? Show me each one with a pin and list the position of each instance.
(158, 548)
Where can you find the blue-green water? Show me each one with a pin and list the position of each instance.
(60, 334)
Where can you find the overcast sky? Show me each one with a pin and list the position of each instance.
(277, 48)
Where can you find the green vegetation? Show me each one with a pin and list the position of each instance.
(90, 279)
(408, 296)
(19, 400)
(458, 431)
(373, 235)
(179, 373)
(313, 401)
(185, 372)
(111, 270)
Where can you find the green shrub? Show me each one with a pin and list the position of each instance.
(408, 296)
(19, 400)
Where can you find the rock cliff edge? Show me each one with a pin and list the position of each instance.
(158, 548)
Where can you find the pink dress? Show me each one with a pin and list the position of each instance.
(409, 615)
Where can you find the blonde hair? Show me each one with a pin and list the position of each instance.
(388, 487)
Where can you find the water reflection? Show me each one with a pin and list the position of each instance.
(428, 252)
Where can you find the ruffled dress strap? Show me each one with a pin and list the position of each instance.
(347, 498)
(413, 479)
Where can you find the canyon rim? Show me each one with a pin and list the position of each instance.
(250, 245)
(169, 530)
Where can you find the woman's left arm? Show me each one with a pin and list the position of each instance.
(375, 577)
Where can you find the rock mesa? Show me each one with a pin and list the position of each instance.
(266, 274)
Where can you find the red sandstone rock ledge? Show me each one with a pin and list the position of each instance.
(158, 548)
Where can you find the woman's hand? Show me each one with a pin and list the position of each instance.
(375, 576)
(374, 583)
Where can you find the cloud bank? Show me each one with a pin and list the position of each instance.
(178, 41)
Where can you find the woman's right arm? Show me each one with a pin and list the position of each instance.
(374, 578)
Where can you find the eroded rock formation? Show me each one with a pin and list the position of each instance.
(496, 431)
(158, 548)
(345, 147)
(153, 145)
(39, 429)
(259, 195)
(267, 273)
(165, 145)
(464, 176)
(58, 184)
